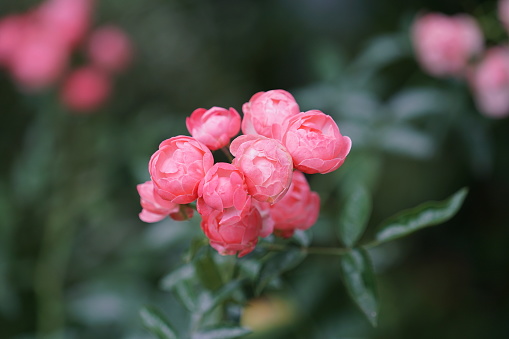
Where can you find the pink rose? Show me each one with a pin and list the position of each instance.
(223, 187)
(490, 82)
(444, 44)
(154, 209)
(230, 238)
(265, 113)
(86, 89)
(214, 127)
(266, 165)
(110, 48)
(11, 34)
(178, 167)
(315, 143)
(267, 222)
(298, 198)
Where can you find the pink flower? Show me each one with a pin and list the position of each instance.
(503, 13)
(11, 34)
(223, 187)
(315, 143)
(298, 198)
(67, 20)
(86, 89)
(265, 113)
(266, 165)
(178, 167)
(445, 44)
(110, 48)
(230, 238)
(154, 209)
(267, 221)
(214, 127)
(490, 82)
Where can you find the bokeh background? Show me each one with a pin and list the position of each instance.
(75, 260)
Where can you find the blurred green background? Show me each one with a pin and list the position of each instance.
(75, 260)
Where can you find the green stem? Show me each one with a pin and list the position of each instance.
(227, 153)
(336, 251)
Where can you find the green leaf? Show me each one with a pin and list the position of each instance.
(182, 273)
(302, 238)
(427, 214)
(359, 279)
(354, 216)
(208, 271)
(222, 333)
(207, 304)
(277, 264)
(156, 323)
(186, 294)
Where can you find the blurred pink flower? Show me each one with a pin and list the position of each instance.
(265, 113)
(444, 44)
(490, 82)
(214, 127)
(11, 34)
(110, 48)
(178, 167)
(266, 165)
(85, 89)
(267, 222)
(67, 20)
(503, 13)
(315, 143)
(232, 237)
(298, 198)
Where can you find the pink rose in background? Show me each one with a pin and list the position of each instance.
(230, 238)
(11, 34)
(85, 89)
(68, 20)
(315, 143)
(265, 113)
(298, 209)
(266, 165)
(154, 211)
(223, 187)
(110, 48)
(490, 83)
(214, 127)
(444, 44)
(178, 167)
(503, 13)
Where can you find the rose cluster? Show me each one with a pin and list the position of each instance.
(454, 46)
(263, 190)
(36, 49)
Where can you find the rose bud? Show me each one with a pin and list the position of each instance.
(266, 164)
(86, 89)
(214, 127)
(265, 112)
(110, 49)
(490, 83)
(444, 44)
(315, 143)
(230, 238)
(152, 210)
(178, 167)
(298, 198)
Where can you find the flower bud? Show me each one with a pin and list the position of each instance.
(214, 127)
(178, 167)
(110, 49)
(86, 89)
(315, 143)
